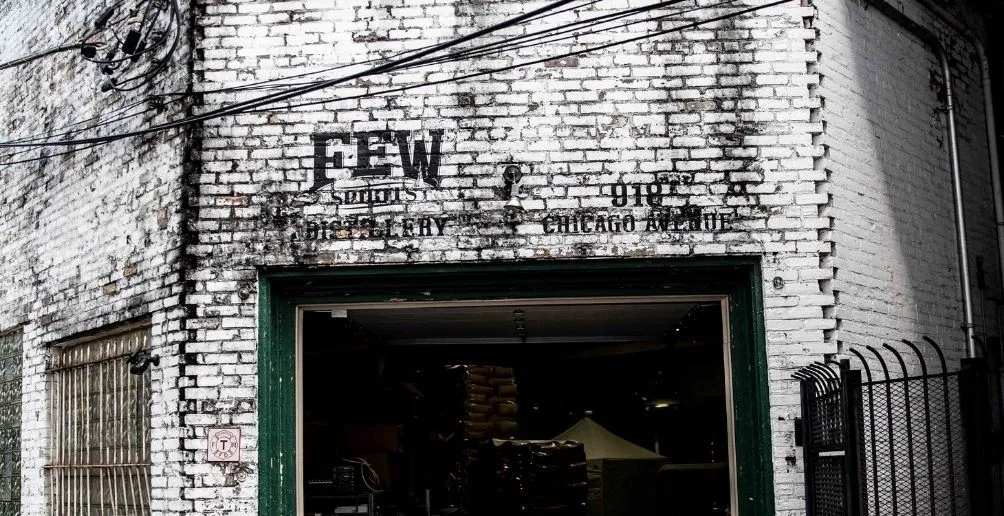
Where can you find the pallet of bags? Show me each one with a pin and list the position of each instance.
(476, 403)
(515, 478)
(557, 480)
(473, 404)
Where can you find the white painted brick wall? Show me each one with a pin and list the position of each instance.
(88, 239)
(893, 227)
(729, 102)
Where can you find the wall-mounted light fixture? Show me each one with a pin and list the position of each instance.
(140, 361)
(512, 175)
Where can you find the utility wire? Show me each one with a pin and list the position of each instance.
(45, 156)
(539, 39)
(261, 101)
(39, 55)
(532, 62)
(263, 85)
(68, 128)
(295, 92)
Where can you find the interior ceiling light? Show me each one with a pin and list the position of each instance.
(661, 403)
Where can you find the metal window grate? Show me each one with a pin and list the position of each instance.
(100, 421)
(10, 424)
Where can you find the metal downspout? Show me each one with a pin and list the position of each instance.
(932, 41)
(960, 215)
(991, 123)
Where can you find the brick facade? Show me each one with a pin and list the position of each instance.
(893, 232)
(90, 239)
(729, 116)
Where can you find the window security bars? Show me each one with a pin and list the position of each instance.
(895, 444)
(10, 424)
(99, 424)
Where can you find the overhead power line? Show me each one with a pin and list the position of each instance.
(545, 35)
(143, 35)
(39, 55)
(535, 61)
(297, 91)
(415, 60)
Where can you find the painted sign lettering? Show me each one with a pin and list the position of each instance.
(356, 227)
(656, 221)
(419, 161)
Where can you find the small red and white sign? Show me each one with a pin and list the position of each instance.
(224, 445)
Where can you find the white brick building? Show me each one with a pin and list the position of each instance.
(796, 157)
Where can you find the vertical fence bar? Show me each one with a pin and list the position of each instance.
(87, 426)
(852, 411)
(948, 422)
(909, 427)
(874, 445)
(871, 428)
(998, 378)
(889, 424)
(807, 391)
(975, 407)
(927, 424)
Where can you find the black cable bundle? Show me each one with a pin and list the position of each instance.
(425, 56)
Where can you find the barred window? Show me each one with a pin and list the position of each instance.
(10, 424)
(99, 422)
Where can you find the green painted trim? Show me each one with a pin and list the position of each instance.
(750, 397)
(276, 402)
(739, 278)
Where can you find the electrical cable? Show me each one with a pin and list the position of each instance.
(39, 55)
(674, 29)
(547, 38)
(160, 107)
(369, 476)
(256, 85)
(69, 131)
(474, 52)
(46, 156)
(55, 50)
(529, 63)
(160, 63)
(78, 131)
(295, 92)
(229, 109)
(184, 95)
(278, 82)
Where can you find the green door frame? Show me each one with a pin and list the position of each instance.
(282, 290)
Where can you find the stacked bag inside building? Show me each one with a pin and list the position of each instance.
(532, 478)
(482, 469)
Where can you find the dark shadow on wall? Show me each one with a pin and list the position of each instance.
(890, 179)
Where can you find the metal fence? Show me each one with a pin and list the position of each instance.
(10, 423)
(892, 443)
(99, 423)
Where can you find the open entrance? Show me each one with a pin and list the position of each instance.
(609, 406)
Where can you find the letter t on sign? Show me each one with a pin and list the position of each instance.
(322, 160)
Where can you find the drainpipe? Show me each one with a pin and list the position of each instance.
(932, 41)
(988, 106)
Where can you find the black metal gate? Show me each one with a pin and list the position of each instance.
(896, 444)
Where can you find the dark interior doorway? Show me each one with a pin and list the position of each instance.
(618, 406)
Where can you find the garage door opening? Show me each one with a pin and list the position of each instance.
(599, 407)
